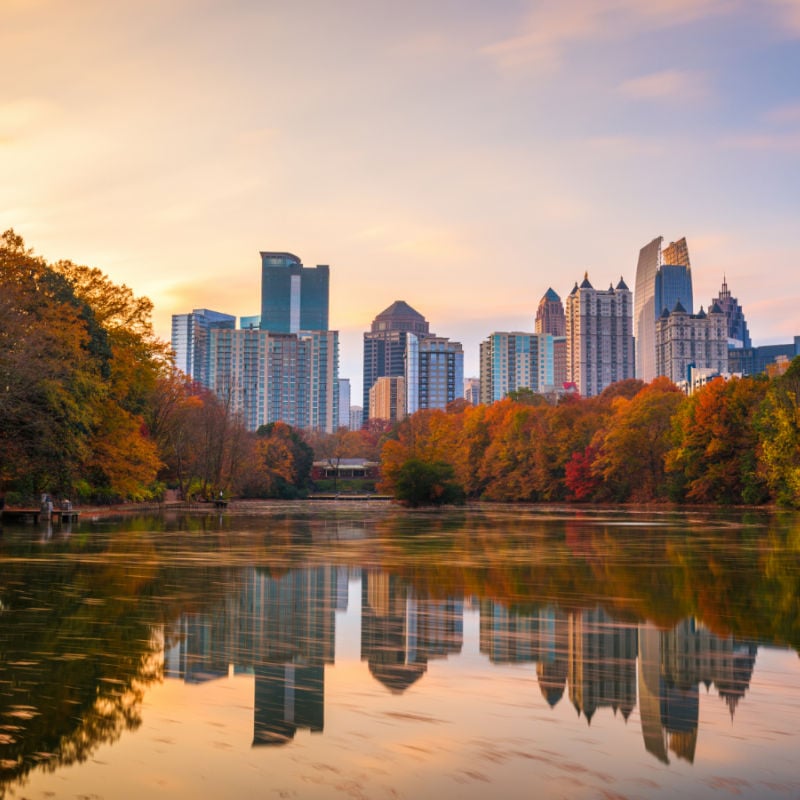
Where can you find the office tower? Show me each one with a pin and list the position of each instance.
(356, 418)
(472, 390)
(269, 377)
(738, 335)
(599, 336)
(550, 315)
(550, 319)
(387, 399)
(512, 361)
(434, 372)
(663, 278)
(293, 297)
(344, 403)
(190, 339)
(385, 344)
(686, 340)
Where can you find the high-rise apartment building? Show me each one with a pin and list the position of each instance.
(387, 399)
(738, 335)
(385, 344)
(472, 390)
(512, 361)
(686, 340)
(270, 377)
(434, 372)
(599, 336)
(663, 278)
(190, 339)
(293, 297)
(344, 403)
(356, 418)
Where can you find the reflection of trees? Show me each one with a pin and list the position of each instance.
(77, 644)
(738, 575)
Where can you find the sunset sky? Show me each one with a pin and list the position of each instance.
(461, 156)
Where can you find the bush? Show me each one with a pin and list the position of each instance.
(419, 483)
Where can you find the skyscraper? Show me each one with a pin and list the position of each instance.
(512, 361)
(344, 403)
(550, 319)
(550, 315)
(293, 297)
(190, 339)
(686, 340)
(599, 336)
(270, 377)
(385, 344)
(738, 335)
(434, 372)
(663, 278)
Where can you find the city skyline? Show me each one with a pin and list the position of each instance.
(463, 159)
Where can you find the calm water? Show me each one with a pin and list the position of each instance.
(358, 651)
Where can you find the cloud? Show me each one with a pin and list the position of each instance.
(670, 84)
(553, 25)
(765, 142)
(784, 115)
(789, 15)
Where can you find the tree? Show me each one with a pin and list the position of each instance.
(632, 447)
(421, 483)
(779, 436)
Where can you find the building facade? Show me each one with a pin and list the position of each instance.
(599, 336)
(513, 361)
(190, 339)
(293, 297)
(385, 344)
(686, 340)
(434, 372)
(344, 403)
(663, 277)
(738, 335)
(387, 399)
(269, 377)
(472, 390)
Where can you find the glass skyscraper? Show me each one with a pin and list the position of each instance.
(293, 297)
(663, 278)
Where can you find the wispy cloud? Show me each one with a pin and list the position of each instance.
(789, 15)
(547, 31)
(784, 115)
(767, 142)
(670, 84)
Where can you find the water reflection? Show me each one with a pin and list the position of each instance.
(281, 629)
(600, 618)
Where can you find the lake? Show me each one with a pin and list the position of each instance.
(357, 650)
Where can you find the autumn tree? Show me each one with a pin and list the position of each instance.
(631, 448)
(281, 463)
(779, 436)
(713, 458)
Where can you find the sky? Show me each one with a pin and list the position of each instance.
(462, 156)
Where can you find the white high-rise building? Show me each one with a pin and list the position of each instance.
(599, 336)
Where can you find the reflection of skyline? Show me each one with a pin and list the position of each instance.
(401, 631)
(281, 629)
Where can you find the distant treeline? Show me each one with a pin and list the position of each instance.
(732, 442)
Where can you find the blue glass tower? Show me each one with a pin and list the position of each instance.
(293, 297)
